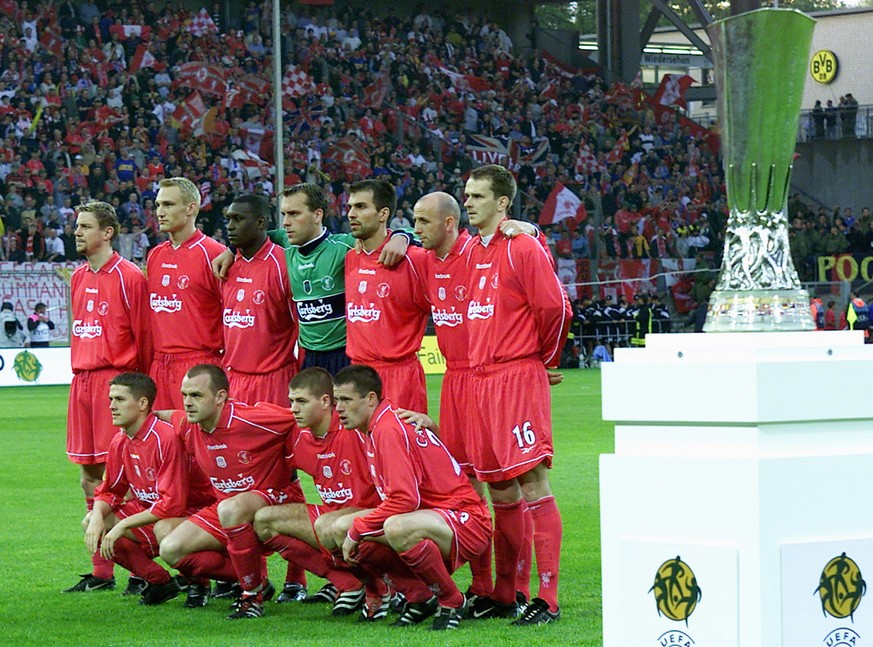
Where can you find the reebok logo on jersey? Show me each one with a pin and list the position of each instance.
(442, 276)
(446, 318)
(476, 310)
(362, 314)
(87, 331)
(144, 495)
(164, 304)
(233, 319)
(373, 272)
(243, 279)
(312, 311)
(228, 485)
(305, 266)
(329, 495)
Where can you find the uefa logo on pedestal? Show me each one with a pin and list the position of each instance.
(676, 594)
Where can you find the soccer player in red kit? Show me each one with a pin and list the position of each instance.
(336, 461)
(184, 295)
(386, 309)
(109, 302)
(429, 513)
(518, 316)
(241, 449)
(260, 332)
(436, 217)
(146, 458)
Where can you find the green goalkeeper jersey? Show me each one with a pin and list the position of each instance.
(317, 274)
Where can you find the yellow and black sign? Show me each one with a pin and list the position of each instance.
(676, 590)
(431, 358)
(841, 587)
(824, 66)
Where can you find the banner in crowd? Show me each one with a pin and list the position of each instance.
(505, 151)
(35, 366)
(844, 267)
(627, 277)
(26, 284)
(679, 283)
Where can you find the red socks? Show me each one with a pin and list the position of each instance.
(378, 559)
(100, 566)
(244, 550)
(426, 560)
(548, 531)
(207, 565)
(508, 520)
(132, 557)
(525, 561)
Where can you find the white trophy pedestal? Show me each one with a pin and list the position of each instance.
(748, 456)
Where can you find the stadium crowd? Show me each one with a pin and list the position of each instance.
(95, 104)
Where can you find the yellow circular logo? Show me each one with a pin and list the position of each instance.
(676, 590)
(841, 587)
(27, 366)
(824, 66)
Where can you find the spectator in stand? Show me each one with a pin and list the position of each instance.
(40, 327)
(54, 247)
(12, 334)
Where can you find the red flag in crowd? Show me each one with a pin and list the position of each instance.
(465, 82)
(105, 117)
(348, 154)
(206, 196)
(561, 204)
(614, 156)
(143, 58)
(672, 90)
(250, 88)
(374, 95)
(202, 24)
(620, 95)
(52, 41)
(586, 162)
(253, 165)
(130, 31)
(190, 112)
(296, 82)
(257, 139)
(211, 79)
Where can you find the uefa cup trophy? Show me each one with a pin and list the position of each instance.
(760, 66)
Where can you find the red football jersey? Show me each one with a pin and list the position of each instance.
(156, 468)
(245, 451)
(109, 306)
(386, 309)
(412, 470)
(337, 464)
(517, 307)
(446, 289)
(260, 332)
(185, 296)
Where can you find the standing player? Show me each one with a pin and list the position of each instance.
(184, 295)
(513, 289)
(429, 513)
(148, 459)
(108, 295)
(386, 309)
(241, 449)
(315, 260)
(436, 218)
(260, 334)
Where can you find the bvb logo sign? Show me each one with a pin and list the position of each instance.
(676, 590)
(27, 367)
(841, 587)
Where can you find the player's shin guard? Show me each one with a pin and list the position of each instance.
(548, 531)
(100, 566)
(379, 560)
(207, 565)
(132, 557)
(480, 567)
(244, 550)
(508, 539)
(426, 560)
(522, 573)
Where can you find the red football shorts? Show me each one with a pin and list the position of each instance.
(403, 383)
(511, 420)
(262, 387)
(472, 531)
(89, 422)
(455, 407)
(145, 535)
(168, 369)
(208, 520)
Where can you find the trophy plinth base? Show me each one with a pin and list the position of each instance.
(758, 311)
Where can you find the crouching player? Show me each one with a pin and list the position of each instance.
(241, 449)
(147, 458)
(429, 513)
(336, 461)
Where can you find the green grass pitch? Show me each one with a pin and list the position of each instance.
(42, 552)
